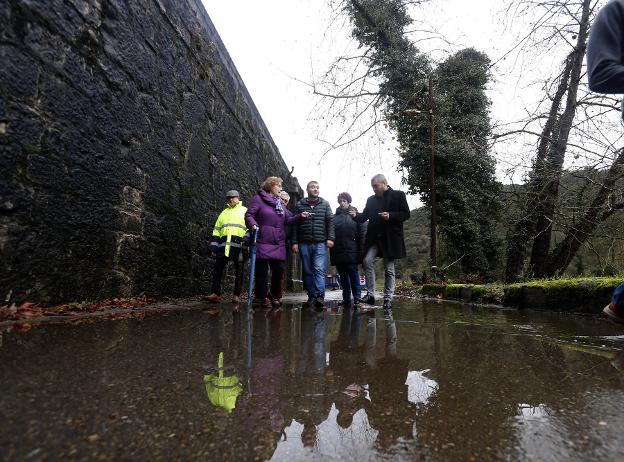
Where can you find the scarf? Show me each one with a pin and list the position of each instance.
(278, 206)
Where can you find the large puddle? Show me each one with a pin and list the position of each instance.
(426, 382)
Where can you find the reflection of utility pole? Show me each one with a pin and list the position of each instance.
(434, 224)
(434, 218)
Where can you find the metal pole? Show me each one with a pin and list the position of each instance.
(434, 240)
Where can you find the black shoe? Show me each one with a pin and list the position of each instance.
(319, 302)
(387, 304)
(368, 300)
(356, 301)
(310, 301)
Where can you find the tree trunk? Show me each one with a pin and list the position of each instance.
(525, 226)
(556, 155)
(543, 185)
(599, 210)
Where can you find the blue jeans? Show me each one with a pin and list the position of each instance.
(349, 280)
(313, 261)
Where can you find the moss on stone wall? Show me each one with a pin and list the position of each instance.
(584, 295)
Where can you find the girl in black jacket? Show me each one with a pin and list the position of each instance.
(348, 249)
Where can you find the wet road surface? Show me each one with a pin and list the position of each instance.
(427, 381)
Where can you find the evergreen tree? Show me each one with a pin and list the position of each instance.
(466, 191)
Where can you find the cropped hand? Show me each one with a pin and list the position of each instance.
(384, 215)
(295, 248)
(329, 243)
(306, 214)
(353, 213)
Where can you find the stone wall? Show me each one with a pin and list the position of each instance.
(122, 124)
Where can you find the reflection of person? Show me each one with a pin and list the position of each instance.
(348, 249)
(391, 335)
(345, 362)
(313, 349)
(388, 392)
(227, 246)
(371, 341)
(312, 383)
(385, 212)
(311, 239)
(605, 73)
(266, 214)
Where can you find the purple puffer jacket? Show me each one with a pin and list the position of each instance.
(272, 236)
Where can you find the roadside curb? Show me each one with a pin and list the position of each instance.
(107, 313)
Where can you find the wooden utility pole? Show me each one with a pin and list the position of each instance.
(434, 217)
(434, 220)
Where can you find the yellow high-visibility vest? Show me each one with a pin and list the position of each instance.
(230, 229)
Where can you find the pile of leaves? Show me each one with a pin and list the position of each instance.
(29, 310)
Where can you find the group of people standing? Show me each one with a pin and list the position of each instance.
(311, 230)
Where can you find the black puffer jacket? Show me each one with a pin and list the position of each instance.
(350, 238)
(317, 228)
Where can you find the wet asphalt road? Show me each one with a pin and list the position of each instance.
(427, 381)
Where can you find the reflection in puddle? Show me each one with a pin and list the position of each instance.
(537, 432)
(345, 435)
(341, 436)
(420, 388)
(222, 390)
(427, 382)
(527, 412)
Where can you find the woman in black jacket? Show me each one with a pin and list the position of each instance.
(348, 249)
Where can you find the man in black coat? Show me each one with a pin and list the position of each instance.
(385, 212)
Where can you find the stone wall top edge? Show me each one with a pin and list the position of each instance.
(231, 68)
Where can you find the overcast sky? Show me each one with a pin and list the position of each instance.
(279, 46)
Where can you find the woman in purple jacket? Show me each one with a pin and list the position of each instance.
(266, 214)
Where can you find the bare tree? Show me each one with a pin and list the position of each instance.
(562, 131)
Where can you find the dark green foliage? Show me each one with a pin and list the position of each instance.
(466, 191)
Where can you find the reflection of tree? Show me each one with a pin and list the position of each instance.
(484, 375)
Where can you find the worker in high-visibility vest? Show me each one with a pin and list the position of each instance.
(229, 244)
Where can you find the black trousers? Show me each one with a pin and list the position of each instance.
(262, 276)
(217, 274)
